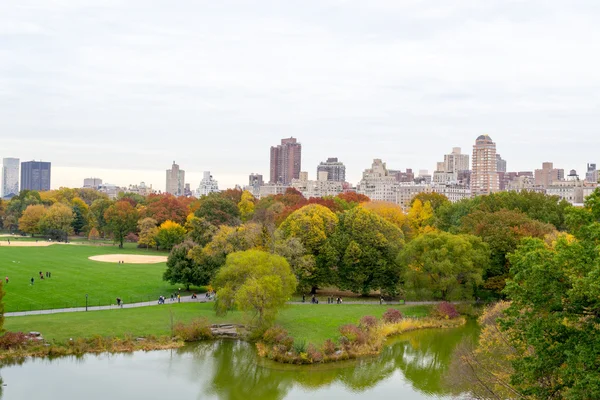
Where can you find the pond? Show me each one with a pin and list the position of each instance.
(409, 367)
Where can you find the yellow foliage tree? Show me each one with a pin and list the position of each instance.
(391, 212)
(169, 234)
(420, 218)
(30, 221)
(246, 206)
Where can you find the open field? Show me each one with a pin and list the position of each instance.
(74, 276)
(129, 258)
(313, 323)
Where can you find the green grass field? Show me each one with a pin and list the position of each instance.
(313, 323)
(74, 275)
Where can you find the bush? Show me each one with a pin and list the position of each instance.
(132, 238)
(273, 334)
(353, 334)
(313, 354)
(300, 346)
(198, 329)
(392, 316)
(10, 340)
(368, 321)
(445, 310)
(328, 347)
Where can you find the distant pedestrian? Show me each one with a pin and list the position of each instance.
(381, 300)
(32, 280)
(6, 279)
(172, 295)
(119, 303)
(179, 298)
(303, 298)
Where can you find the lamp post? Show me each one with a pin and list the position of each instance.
(86, 297)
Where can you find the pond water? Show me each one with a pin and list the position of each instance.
(410, 367)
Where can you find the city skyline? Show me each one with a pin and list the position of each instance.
(101, 94)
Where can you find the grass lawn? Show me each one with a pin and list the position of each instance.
(313, 323)
(73, 275)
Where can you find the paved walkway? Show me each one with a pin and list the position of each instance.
(188, 299)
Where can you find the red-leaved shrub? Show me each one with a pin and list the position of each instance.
(368, 321)
(11, 340)
(328, 347)
(392, 316)
(353, 334)
(446, 310)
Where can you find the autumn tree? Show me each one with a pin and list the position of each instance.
(97, 210)
(57, 220)
(256, 282)
(148, 230)
(81, 215)
(30, 220)
(391, 212)
(436, 200)
(218, 210)
(169, 234)
(420, 218)
(94, 234)
(364, 250)
(442, 266)
(181, 268)
(199, 230)
(163, 207)
(121, 218)
(246, 206)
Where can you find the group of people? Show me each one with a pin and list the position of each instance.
(210, 294)
(330, 299)
(47, 274)
(121, 262)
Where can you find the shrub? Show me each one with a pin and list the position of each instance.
(368, 321)
(300, 346)
(328, 347)
(10, 340)
(198, 329)
(392, 316)
(313, 354)
(353, 334)
(274, 335)
(132, 238)
(445, 310)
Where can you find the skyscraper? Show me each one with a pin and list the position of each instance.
(548, 174)
(207, 185)
(484, 174)
(592, 173)
(175, 180)
(35, 175)
(500, 164)
(456, 161)
(10, 177)
(286, 160)
(336, 170)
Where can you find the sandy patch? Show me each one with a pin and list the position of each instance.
(129, 258)
(16, 243)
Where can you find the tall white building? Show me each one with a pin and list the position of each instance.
(10, 177)
(175, 180)
(448, 170)
(319, 188)
(92, 183)
(207, 185)
(377, 183)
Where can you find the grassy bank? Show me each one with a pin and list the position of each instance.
(312, 323)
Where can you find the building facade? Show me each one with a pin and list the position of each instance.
(500, 164)
(36, 175)
(175, 181)
(10, 177)
(336, 170)
(92, 183)
(548, 175)
(286, 161)
(378, 184)
(592, 174)
(484, 174)
(319, 188)
(207, 185)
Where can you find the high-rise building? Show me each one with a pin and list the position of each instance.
(455, 161)
(207, 185)
(10, 177)
(286, 160)
(175, 180)
(548, 175)
(336, 170)
(484, 175)
(500, 164)
(407, 176)
(592, 173)
(35, 175)
(377, 183)
(255, 180)
(92, 183)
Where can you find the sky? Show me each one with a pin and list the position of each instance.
(121, 89)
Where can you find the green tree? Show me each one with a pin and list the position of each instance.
(181, 268)
(121, 219)
(444, 266)
(199, 230)
(97, 209)
(502, 231)
(554, 318)
(169, 234)
(364, 250)
(436, 200)
(302, 263)
(256, 282)
(218, 210)
(30, 220)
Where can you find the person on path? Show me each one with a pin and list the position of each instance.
(179, 298)
(303, 298)
(119, 301)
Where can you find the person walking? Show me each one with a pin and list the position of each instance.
(32, 280)
(178, 298)
(6, 279)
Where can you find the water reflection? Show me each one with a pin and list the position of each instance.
(410, 367)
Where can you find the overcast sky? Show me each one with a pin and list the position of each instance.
(120, 89)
